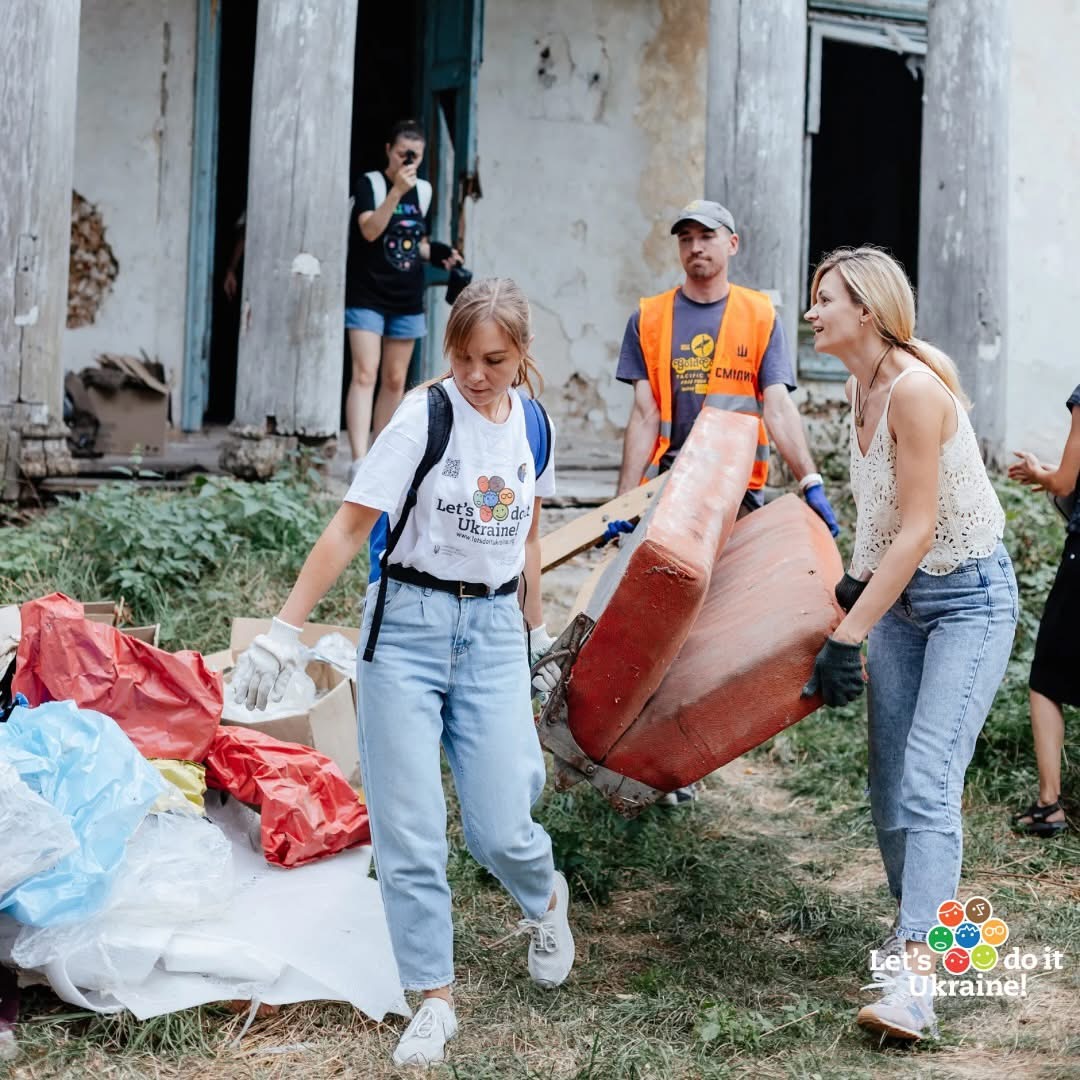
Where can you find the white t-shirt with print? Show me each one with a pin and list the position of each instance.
(474, 508)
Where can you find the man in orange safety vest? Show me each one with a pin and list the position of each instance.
(709, 342)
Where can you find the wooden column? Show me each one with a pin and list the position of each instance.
(39, 54)
(755, 116)
(291, 332)
(963, 207)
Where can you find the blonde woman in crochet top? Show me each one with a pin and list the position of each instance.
(931, 590)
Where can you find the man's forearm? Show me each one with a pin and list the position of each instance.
(785, 428)
(638, 443)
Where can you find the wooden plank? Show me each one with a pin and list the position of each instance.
(753, 150)
(293, 300)
(39, 57)
(583, 532)
(964, 202)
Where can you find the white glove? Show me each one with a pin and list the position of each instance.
(547, 678)
(266, 665)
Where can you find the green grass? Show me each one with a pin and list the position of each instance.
(725, 941)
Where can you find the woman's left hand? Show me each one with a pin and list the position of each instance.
(1028, 470)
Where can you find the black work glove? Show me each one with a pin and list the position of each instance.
(848, 590)
(837, 674)
(439, 252)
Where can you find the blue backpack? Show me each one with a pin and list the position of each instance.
(440, 421)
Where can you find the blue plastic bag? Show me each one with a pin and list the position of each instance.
(83, 764)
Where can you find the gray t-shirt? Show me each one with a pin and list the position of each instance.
(693, 338)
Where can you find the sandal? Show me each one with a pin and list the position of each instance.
(1039, 826)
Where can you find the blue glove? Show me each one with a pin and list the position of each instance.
(613, 529)
(819, 503)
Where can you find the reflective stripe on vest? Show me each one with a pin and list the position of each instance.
(741, 341)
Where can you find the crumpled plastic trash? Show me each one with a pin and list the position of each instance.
(83, 765)
(33, 834)
(177, 869)
(168, 703)
(338, 651)
(300, 694)
(316, 933)
(308, 808)
(186, 781)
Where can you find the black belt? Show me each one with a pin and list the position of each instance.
(460, 589)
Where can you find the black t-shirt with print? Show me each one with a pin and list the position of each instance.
(386, 274)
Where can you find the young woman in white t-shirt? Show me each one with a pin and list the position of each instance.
(932, 589)
(451, 663)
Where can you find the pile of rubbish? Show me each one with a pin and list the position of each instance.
(155, 856)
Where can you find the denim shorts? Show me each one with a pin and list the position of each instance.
(404, 327)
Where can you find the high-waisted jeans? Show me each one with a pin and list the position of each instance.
(935, 661)
(450, 672)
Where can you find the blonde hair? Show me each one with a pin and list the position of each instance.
(501, 301)
(877, 281)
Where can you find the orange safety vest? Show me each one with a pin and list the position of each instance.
(741, 342)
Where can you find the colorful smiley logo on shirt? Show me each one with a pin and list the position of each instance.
(977, 910)
(995, 932)
(984, 957)
(493, 497)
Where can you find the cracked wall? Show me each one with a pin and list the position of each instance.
(1044, 226)
(591, 127)
(133, 163)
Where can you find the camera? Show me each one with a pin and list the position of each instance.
(459, 278)
(410, 156)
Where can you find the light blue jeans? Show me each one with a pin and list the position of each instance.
(935, 661)
(453, 672)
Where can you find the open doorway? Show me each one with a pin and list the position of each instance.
(386, 87)
(864, 127)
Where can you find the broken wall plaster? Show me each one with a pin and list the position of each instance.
(672, 113)
(92, 266)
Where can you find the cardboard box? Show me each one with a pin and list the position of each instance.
(330, 725)
(131, 403)
(112, 613)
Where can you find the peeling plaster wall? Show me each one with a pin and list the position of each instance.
(133, 161)
(591, 119)
(1044, 225)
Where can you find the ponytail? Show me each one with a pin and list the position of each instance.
(940, 364)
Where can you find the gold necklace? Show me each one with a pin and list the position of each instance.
(860, 413)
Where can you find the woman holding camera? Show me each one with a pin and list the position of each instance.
(384, 283)
(932, 588)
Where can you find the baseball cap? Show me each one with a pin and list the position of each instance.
(710, 214)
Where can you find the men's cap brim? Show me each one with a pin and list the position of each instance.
(701, 219)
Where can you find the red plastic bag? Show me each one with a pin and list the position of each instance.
(169, 704)
(308, 809)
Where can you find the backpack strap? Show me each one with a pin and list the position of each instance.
(377, 179)
(440, 421)
(538, 431)
(423, 193)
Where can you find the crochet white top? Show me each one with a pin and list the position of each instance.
(970, 520)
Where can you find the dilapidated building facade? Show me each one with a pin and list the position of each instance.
(562, 137)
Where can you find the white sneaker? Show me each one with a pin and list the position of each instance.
(891, 946)
(551, 952)
(901, 1013)
(424, 1041)
(682, 796)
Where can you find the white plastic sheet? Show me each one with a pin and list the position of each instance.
(316, 932)
(34, 836)
(300, 694)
